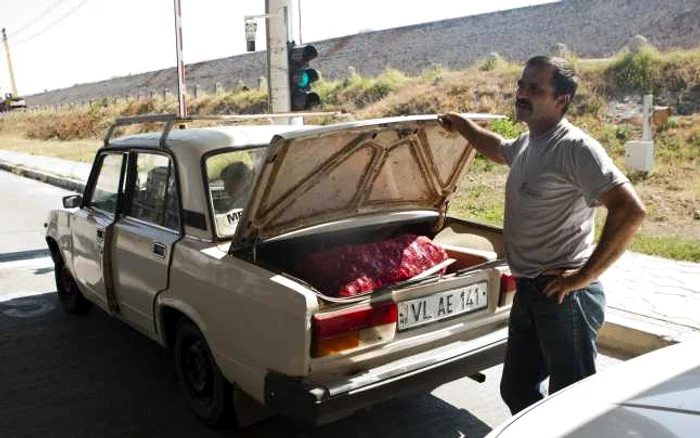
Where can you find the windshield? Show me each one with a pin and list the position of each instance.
(230, 177)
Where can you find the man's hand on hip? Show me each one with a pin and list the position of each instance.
(563, 285)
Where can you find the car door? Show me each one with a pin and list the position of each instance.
(92, 229)
(144, 236)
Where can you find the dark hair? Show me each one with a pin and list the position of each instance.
(564, 78)
(236, 171)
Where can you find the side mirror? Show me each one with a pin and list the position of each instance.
(72, 201)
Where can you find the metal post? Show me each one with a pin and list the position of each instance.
(639, 154)
(647, 111)
(294, 34)
(277, 69)
(182, 105)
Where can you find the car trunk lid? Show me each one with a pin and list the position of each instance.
(341, 171)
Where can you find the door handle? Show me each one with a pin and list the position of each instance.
(158, 249)
(100, 234)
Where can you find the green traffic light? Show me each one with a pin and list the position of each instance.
(303, 80)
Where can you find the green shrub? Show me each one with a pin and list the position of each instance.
(433, 75)
(622, 132)
(638, 71)
(506, 128)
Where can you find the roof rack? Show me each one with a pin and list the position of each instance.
(169, 120)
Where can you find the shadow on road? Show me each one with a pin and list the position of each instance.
(93, 376)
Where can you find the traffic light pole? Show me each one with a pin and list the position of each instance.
(277, 12)
(293, 34)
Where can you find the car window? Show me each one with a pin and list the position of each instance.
(106, 192)
(230, 177)
(155, 198)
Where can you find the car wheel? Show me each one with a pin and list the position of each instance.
(72, 300)
(207, 391)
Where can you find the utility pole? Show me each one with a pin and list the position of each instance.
(277, 14)
(288, 90)
(9, 63)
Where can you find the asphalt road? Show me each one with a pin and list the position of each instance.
(93, 376)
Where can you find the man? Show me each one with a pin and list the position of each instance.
(558, 174)
(238, 179)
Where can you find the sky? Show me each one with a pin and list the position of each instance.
(59, 43)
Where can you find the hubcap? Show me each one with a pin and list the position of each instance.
(198, 372)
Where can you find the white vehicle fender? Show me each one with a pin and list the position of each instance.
(185, 309)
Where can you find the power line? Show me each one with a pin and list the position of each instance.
(38, 17)
(52, 24)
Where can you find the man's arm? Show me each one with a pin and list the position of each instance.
(483, 140)
(625, 214)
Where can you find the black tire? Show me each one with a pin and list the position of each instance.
(208, 393)
(72, 300)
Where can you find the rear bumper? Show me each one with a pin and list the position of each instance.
(322, 403)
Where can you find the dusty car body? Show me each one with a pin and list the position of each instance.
(653, 395)
(153, 242)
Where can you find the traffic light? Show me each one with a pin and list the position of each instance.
(301, 77)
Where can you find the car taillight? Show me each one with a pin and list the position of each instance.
(350, 328)
(508, 287)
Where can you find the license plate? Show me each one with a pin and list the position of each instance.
(442, 305)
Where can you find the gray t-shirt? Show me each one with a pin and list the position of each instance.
(553, 185)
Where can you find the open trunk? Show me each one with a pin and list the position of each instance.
(468, 245)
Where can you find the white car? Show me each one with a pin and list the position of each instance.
(656, 395)
(219, 270)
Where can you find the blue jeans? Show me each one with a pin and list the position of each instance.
(549, 339)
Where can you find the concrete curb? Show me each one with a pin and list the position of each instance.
(58, 181)
(632, 334)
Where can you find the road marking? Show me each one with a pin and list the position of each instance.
(28, 307)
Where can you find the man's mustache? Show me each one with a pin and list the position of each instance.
(523, 103)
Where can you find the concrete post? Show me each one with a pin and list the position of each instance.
(165, 93)
(195, 91)
(560, 50)
(277, 12)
